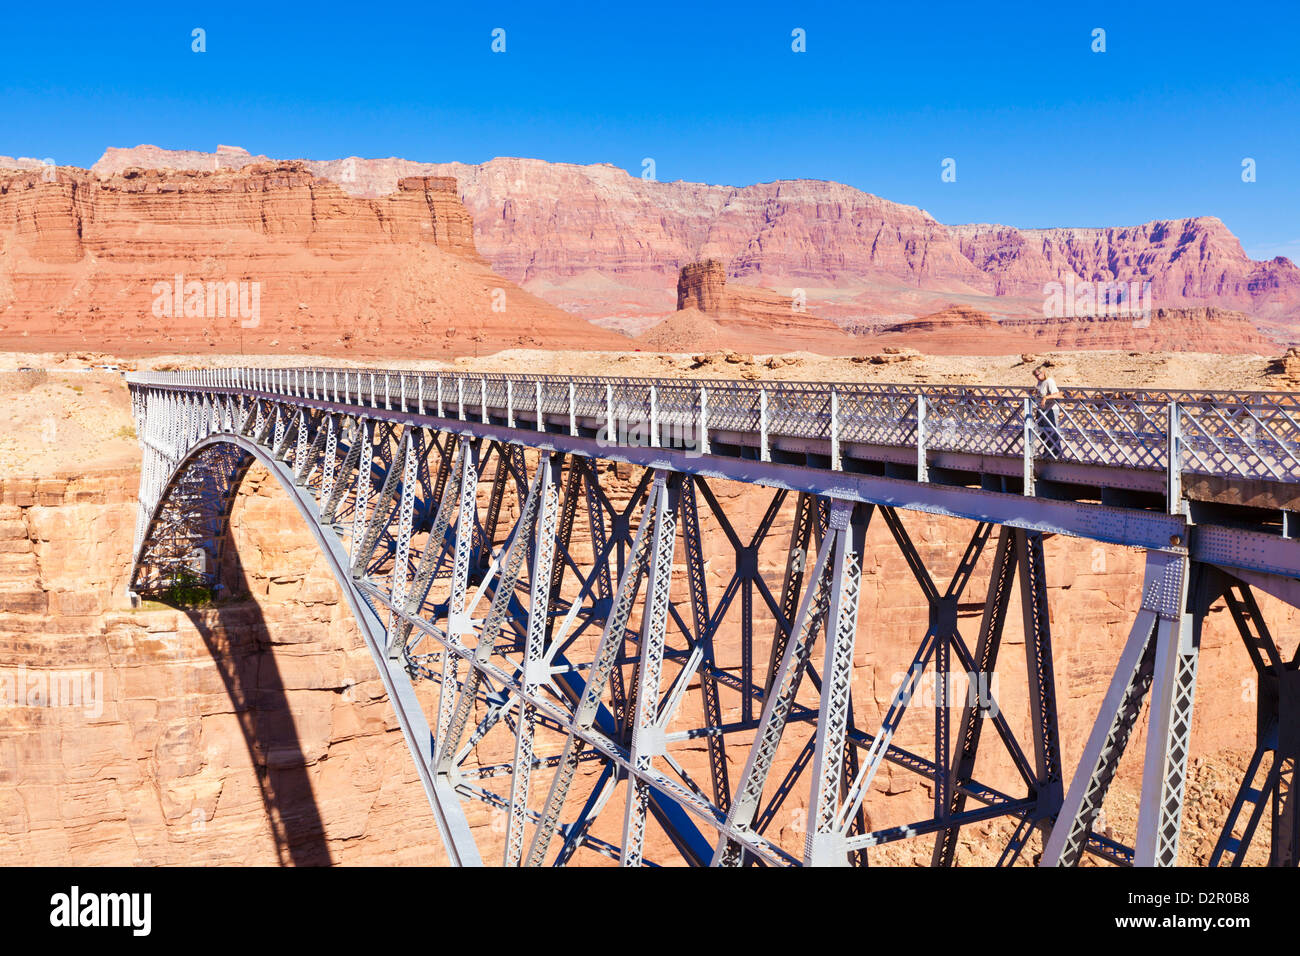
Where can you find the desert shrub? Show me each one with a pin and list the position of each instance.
(187, 590)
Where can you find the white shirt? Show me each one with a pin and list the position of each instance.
(1047, 387)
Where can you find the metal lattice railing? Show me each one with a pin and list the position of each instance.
(1253, 435)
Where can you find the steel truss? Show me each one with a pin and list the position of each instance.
(608, 698)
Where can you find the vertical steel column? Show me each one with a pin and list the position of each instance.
(1041, 674)
(1173, 692)
(281, 414)
(520, 543)
(405, 521)
(776, 709)
(534, 662)
(805, 516)
(458, 622)
(309, 457)
(332, 498)
(300, 446)
(647, 736)
(446, 493)
(1163, 601)
(699, 592)
(996, 603)
(584, 717)
(940, 637)
(824, 842)
(362, 496)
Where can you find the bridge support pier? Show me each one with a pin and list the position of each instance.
(1161, 650)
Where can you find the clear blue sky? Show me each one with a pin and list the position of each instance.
(1044, 131)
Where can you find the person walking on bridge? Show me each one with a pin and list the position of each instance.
(1046, 412)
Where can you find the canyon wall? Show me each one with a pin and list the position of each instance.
(253, 733)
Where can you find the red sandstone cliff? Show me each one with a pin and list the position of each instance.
(602, 243)
(1189, 262)
(92, 262)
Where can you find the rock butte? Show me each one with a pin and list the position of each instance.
(713, 313)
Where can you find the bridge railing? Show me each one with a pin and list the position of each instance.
(1259, 440)
(1102, 429)
(1230, 434)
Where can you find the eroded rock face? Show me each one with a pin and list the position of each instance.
(1189, 262)
(148, 261)
(254, 733)
(1175, 330)
(703, 286)
(963, 330)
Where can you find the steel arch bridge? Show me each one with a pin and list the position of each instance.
(506, 591)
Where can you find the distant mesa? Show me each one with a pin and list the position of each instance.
(954, 318)
(962, 329)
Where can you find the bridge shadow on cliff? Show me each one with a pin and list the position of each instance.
(236, 635)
